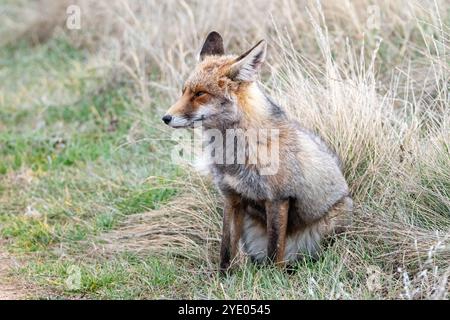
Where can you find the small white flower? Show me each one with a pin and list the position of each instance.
(32, 212)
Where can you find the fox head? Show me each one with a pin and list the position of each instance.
(212, 92)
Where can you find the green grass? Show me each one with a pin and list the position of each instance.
(68, 159)
(128, 276)
(29, 235)
(124, 277)
(78, 159)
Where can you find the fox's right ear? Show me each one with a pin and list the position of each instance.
(246, 67)
(213, 45)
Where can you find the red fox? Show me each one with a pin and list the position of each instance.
(277, 217)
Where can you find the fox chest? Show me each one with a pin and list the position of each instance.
(244, 182)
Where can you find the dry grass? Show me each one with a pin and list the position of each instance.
(379, 94)
(189, 226)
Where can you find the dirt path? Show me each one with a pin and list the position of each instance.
(9, 289)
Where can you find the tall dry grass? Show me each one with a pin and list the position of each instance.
(376, 90)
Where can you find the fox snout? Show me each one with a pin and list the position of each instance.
(179, 114)
(167, 118)
(189, 108)
(176, 121)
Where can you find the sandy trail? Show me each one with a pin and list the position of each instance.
(9, 289)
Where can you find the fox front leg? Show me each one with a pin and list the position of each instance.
(277, 218)
(231, 231)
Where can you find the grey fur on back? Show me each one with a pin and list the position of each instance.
(309, 172)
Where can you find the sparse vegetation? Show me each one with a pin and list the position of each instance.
(86, 177)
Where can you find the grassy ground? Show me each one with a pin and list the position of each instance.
(69, 174)
(92, 206)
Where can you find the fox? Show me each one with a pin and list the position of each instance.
(278, 217)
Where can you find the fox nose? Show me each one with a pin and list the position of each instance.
(167, 118)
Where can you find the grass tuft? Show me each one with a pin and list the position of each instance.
(86, 178)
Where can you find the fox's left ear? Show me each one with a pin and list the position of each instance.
(247, 66)
(213, 45)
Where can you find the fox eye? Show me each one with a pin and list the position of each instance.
(199, 94)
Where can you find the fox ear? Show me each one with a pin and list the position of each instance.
(247, 66)
(213, 45)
